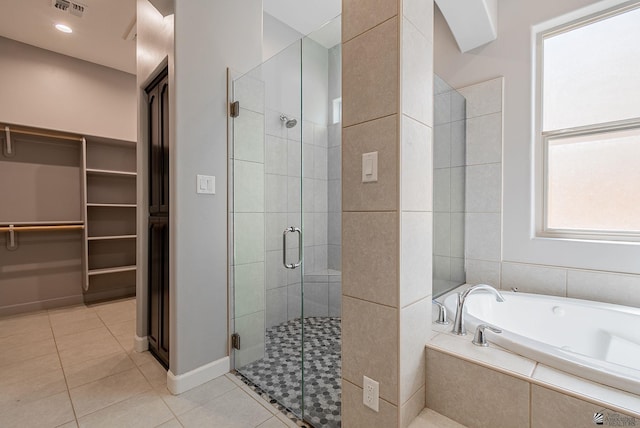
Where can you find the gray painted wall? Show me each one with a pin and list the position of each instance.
(203, 51)
(44, 89)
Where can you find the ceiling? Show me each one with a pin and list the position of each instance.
(329, 35)
(304, 16)
(98, 37)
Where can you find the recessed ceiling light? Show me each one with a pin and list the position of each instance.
(64, 28)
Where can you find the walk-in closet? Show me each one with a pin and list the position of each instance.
(67, 217)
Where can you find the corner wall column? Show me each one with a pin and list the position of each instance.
(387, 71)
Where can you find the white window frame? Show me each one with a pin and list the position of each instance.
(541, 138)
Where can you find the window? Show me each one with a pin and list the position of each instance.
(336, 115)
(588, 127)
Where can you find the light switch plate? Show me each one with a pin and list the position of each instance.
(369, 167)
(206, 184)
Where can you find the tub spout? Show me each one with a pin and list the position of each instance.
(458, 325)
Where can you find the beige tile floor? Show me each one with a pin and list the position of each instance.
(75, 367)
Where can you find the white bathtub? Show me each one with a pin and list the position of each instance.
(596, 341)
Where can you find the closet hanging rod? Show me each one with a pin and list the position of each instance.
(41, 223)
(12, 231)
(52, 228)
(38, 133)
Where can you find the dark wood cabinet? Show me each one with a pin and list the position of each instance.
(158, 192)
(159, 288)
(158, 98)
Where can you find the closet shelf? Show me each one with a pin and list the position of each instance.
(116, 269)
(110, 237)
(112, 205)
(110, 172)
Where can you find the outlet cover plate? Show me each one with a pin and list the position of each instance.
(370, 393)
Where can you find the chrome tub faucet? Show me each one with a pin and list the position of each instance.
(458, 325)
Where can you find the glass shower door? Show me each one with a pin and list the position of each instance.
(267, 235)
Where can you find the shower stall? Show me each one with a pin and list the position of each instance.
(285, 231)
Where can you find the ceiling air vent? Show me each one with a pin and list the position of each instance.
(77, 9)
(62, 5)
(73, 7)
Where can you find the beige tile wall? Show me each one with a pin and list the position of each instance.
(608, 287)
(550, 408)
(387, 70)
(477, 396)
(473, 395)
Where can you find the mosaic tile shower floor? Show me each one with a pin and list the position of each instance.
(279, 374)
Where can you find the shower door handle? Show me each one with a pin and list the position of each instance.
(284, 247)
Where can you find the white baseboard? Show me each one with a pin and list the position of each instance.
(140, 344)
(203, 374)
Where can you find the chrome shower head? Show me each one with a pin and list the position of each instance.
(289, 123)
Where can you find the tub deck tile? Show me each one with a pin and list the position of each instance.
(492, 355)
(583, 387)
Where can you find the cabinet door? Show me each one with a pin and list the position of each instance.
(158, 107)
(163, 113)
(159, 288)
(155, 171)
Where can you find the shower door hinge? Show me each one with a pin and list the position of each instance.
(235, 109)
(235, 341)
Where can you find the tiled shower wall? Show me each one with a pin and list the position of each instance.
(317, 179)
(274, 167)
(449, 163)
(315, 145)
(484, 261)
(247, 207)
(483, 200)
(334, 260)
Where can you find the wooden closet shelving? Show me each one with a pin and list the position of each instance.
(110, 172)
(67, 220)
(112, 205)
(110, 179)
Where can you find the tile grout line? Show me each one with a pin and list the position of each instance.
(64, 374)
(133, 396)
(104, 324)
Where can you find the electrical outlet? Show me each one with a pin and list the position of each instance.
(370, 393)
